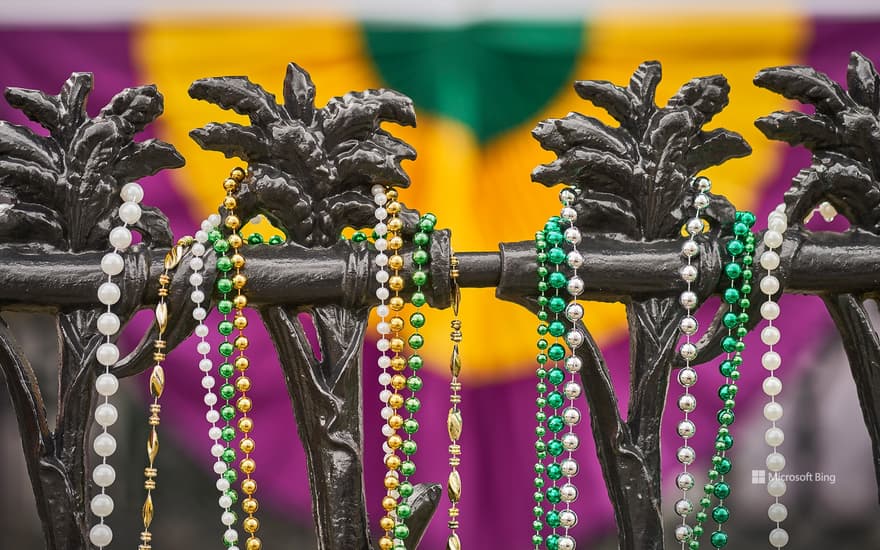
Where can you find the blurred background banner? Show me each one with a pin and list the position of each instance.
(481, 74)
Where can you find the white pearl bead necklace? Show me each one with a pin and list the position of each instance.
(687, 376)
(107, 354)
(381, 260)
(197, 297)
(572, 389)
(777, 223)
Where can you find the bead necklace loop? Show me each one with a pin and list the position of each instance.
(454, 418)
(687, 376)
(559, 233)
(243, 384)
(738, 270)
(541, 373)
(107, 354)
(413, 383)
(226, 475)
(157, 387)
(389, 208)
(574, 338)
(777, 223)
(230, 283)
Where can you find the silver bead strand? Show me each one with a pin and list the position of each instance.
(107, 354)
(572, 389)
(777, 223)
(206, 365)
(687, 376)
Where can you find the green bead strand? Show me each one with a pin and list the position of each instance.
(554, 328)
(416, 340)
(226, 370)
(741, 250)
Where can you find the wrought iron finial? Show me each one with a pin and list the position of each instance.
(311, 174)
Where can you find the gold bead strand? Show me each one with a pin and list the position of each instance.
(249, 505)
(454, 420)
(157, 386)
(398, 381)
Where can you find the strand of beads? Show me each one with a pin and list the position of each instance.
(240, 343)
(541, 373)
(383, 344)
(157, 386)
(777, 223)
(415, 341)
(741, 249)
(384, 328)
(574, 338)
(256, 238)
(381, 261)
(453, 419)
(687, 376)
(393, 400)
(226, 474)
(556, 353)
(107, 354)
(225, 286)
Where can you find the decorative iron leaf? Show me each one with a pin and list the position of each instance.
(376, 160)
(21, 143)
(844, 182)
(812, 131)
(863, 82)
(278, 196)
(31, 223)
(349, 208)
(586, 167)
(233, 140)
(299, 94)
(720, 212)
(806, 85)
(95, 148)
(42, 108)
(643, 84)
(72, 100)
(669, 134)
(241, 95)
(153, 227)
(614, 99)
(136, 106)
(607, 213)
(146, 158)
(299, 151)
(25, 175)
(357, 115)
(713, 148)
(577, 130)
(707, 95)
